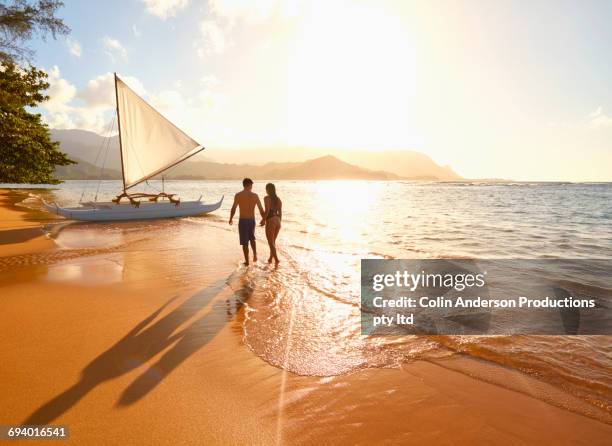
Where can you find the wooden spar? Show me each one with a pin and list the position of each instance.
(133, 198)
(119, 127)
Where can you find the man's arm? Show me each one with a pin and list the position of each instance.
(267, 208)
(234, 206)
(261, 209)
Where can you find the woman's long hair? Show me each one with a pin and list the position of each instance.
(271, 190)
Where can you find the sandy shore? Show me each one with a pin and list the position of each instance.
(123, 347)
(19, 227)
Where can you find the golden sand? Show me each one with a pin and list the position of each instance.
(19, 227)
(122, 349)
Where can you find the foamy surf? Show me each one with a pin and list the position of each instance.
(304, 318)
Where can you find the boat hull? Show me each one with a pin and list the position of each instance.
(126, 211)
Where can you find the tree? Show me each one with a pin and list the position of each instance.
(20, 20)
(27, 154)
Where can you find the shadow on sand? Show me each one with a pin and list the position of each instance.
(145, 341)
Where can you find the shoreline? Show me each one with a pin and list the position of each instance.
(112, 340)
(20, 227)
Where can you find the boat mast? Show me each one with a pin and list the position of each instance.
(119, 126)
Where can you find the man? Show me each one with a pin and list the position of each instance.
(246, 201)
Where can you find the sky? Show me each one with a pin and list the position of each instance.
(513, 89)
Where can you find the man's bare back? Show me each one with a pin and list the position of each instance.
(246, 201)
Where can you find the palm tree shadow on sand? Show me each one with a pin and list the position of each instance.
(145, 341)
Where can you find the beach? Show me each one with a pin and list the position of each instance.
(149, 332)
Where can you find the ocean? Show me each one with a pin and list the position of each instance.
(305, 316)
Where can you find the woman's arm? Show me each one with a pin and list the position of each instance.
(267, 206)
(280, 209)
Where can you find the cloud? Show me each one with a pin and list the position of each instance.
(168, 101)
(598, 119)
(253, 12)
(60, 91)
(225, 15)
(197, 114)
(114, 49)
(210, 81)
(99, 91)
(164, 8)
(136, 31)
(90, 108)
(213, 38)
(74, 47)
(596, 113)
(57, 111)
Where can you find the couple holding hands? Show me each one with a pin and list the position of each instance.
(271, 216)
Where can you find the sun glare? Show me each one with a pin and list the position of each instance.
(351, 79)
(337, 201)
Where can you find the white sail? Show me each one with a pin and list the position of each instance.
(149, 142)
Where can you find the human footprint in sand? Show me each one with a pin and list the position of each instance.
(272, 219)
(246, 200)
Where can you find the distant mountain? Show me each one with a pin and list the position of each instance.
(405, 163)
(87, 146)
(85, 171)
(323, 168)
(93, 150)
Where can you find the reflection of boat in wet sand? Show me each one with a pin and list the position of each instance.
(149, 145)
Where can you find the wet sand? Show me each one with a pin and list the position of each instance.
(19, 227)
(123, 347)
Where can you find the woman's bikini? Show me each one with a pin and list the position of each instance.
(273, 212)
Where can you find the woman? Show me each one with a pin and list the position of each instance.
(272, 219)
